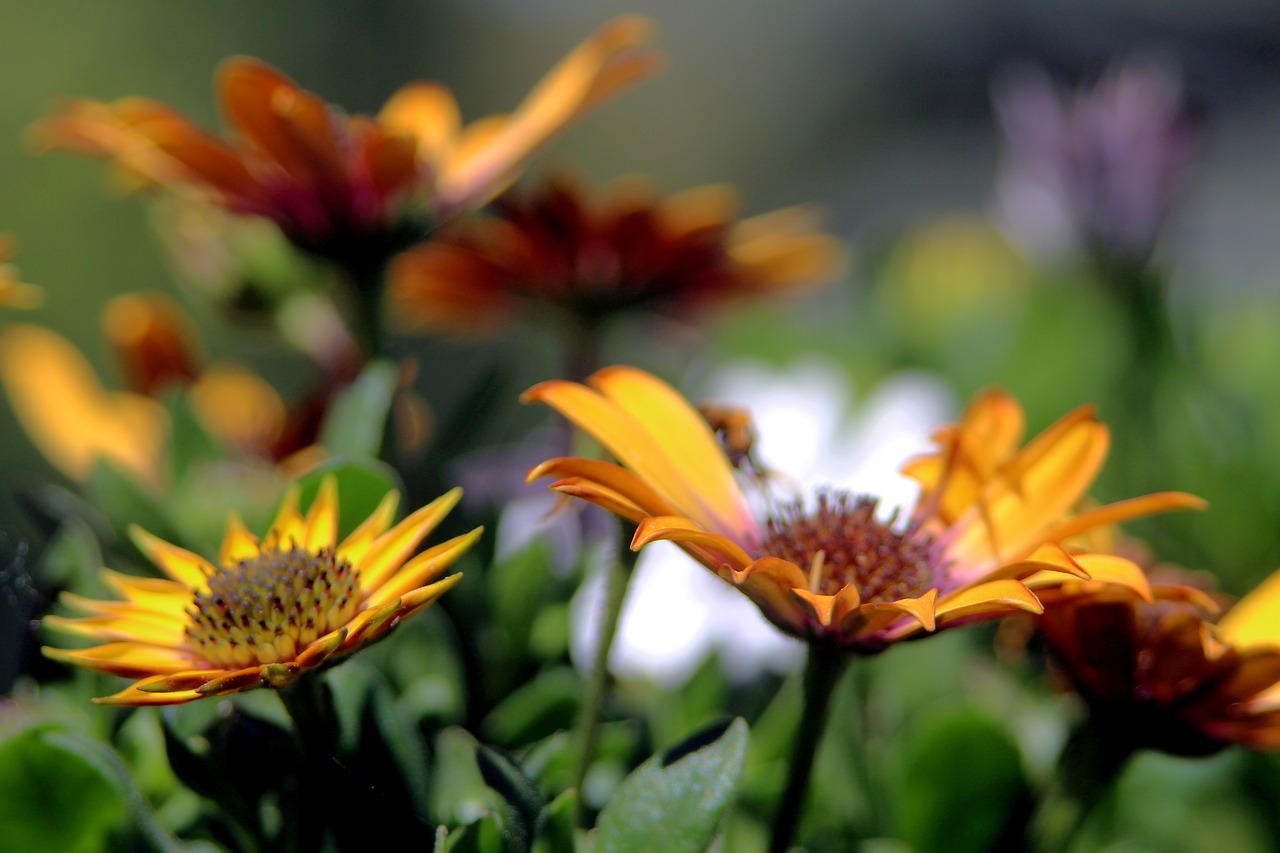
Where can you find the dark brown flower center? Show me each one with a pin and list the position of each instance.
(267, 608)
(841, 542)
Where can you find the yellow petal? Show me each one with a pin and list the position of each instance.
(1255, 619)
(355, 546)
(322, 518)
(429, 113)
(423, 568)
(238, 543)
(158, 595)
(288, 530)
(389, 551)
(68, 415)
(1121, 511)
(188, 569)
(130, 659)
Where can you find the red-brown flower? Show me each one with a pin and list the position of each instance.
(347, 187)
(594, 256)
(1174, 673)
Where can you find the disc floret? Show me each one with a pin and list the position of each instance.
(841, 542)
(266, 608)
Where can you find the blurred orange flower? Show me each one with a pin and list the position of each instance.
(350, 188)
(13, 293)
(595, 256)
(270, 609)
(1171, 674)
(983, 535)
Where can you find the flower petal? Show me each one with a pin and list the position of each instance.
(1255, 619)
(355, 546)
(130, 659)
(676, 529)
(423, 568)
(388, 551)
(185, 567)
(322, 518)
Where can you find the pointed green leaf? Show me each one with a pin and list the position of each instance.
(675, 801)
(358, 414)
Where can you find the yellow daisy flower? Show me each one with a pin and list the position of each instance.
(985, 532)
(270, 609)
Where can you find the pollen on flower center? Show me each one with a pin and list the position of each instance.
(266, 609)
(841, 542)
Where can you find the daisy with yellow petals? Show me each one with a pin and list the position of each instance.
(270, 609)
(985, 532)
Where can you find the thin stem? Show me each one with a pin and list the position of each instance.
(617, 577)
(822, 672)
(367, 286)
(1090, 764)
(307, 702)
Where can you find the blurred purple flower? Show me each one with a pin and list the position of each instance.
(1098, 169)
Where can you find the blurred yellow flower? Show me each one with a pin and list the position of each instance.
(270, 609)
(984, 533)
(344, 186)
(13, 293)
(69, 416)
(1171, 674)
(595, 256)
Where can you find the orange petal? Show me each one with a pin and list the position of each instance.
(606, 499)
(676, 529)
(601, 65)
(429, 113)
(1122, 511)
(612, 477)
(237, 543)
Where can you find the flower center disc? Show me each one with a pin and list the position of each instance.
(267, 608)
(855, 547)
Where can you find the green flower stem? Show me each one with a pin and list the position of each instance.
(617, 577)
(1090, 763)
(307, 702)
(821, 674)
(368, 284)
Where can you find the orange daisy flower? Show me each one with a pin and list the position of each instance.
(13, 293)
(350, 188)
(593, 257)
(1175, 673)
(270, 609)
(983, 535)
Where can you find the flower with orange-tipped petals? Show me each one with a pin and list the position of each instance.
(595, 256)
(270, 609)
(349, 188)
(13, 293)
(1176, 673)
(984, 534)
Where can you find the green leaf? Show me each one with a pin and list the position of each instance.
(125, 501)
(52, 798)
(961, 782)
(537, 709)
(557, 829)
(481, 836)
(458, 792)
(358, 414)
(675, 801)
(189, 442)
(502, 774)
(362, 484)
